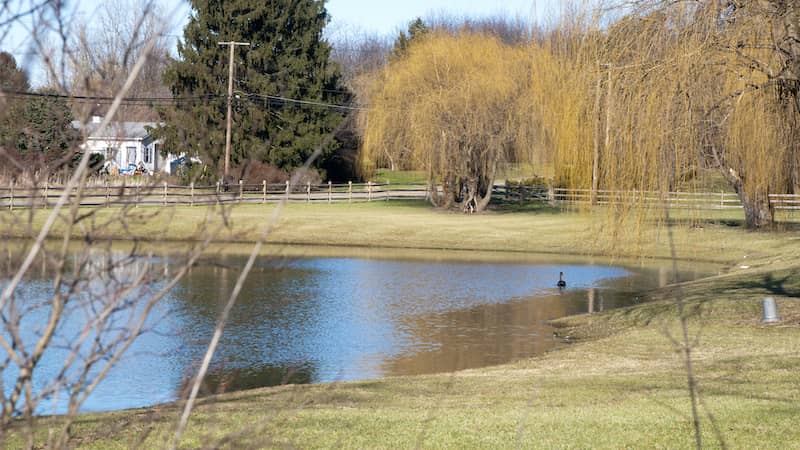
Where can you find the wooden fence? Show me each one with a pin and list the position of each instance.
(672, 200)
(165, 195)
(168, 195)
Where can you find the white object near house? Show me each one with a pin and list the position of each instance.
(127, 144)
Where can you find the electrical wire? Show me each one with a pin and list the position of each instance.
(186, 99)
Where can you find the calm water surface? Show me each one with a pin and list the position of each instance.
(329, 319)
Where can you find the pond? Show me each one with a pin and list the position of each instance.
(324, 319)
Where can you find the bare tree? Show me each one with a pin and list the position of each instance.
(104, 50)
(101, 298)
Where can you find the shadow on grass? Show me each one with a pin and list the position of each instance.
(778, 226)
(500, 207)
(740, 297)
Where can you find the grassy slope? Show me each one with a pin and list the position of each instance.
(415, 225)
(622, 385)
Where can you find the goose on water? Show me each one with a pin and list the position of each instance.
(561, 283)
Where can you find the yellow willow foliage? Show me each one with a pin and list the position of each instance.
(448, 108)
(756, 137)
(760, 131)
(558, 110)
(676, 86)
(654, 98)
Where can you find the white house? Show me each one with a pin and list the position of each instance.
(126, 144)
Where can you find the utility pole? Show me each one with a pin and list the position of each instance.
(604, 69)
(596, 152)
(232, 45)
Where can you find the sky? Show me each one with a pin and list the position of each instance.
(368, 16)
(387, 17)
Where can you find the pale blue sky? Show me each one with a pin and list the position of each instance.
(389, 16)
(382, 17)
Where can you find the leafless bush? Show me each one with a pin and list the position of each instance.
(255, 172)
(102, 295)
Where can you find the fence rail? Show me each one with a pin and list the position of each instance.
(165, 194)
(675, 200)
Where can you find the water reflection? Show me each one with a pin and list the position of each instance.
(221, 379)
(329, 319)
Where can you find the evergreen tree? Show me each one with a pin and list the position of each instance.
(12, 79)
(47, 134)
(416, 29)
(36, 130)
(287, 58)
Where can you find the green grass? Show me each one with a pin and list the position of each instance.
(509, 171)
(620, 384)
(718, 237)
(400, 177)
(702, 181)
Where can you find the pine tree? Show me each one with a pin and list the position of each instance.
(287, 59)
(35, 131)
(12, 80)
(47, 133)
(416, 29)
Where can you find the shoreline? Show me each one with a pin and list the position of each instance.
(620, 366)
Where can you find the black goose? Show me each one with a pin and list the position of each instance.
(561, 283)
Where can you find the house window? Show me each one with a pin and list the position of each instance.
(109, 153)
(131, 151)
(147, 157)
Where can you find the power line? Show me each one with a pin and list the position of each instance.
(184, 99)
(246, 82)
(307, 102)
(21, 94)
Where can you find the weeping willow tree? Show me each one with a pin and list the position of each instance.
(448, 107)
(678, 87)
(644, 100)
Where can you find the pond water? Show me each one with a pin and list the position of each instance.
(329, 319)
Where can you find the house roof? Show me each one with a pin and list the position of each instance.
(117, 130)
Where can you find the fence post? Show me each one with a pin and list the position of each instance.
(308, 191)
(388, 189)
(191, 193)
(349, 192)
(722, 199)
(46, 188)
(287, 189)
(165, 193)
(551, 192)
(241, 191)
(330, 191)
(11, 205)
(217, 193)
(521, 193)
(264, 191)
(369, 191)
(108, 199)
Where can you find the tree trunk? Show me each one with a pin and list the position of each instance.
(484, 202)
(758, 212)
(478, 191)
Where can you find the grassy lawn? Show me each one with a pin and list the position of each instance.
(715, 236)
(620, 384)
(400, 177)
